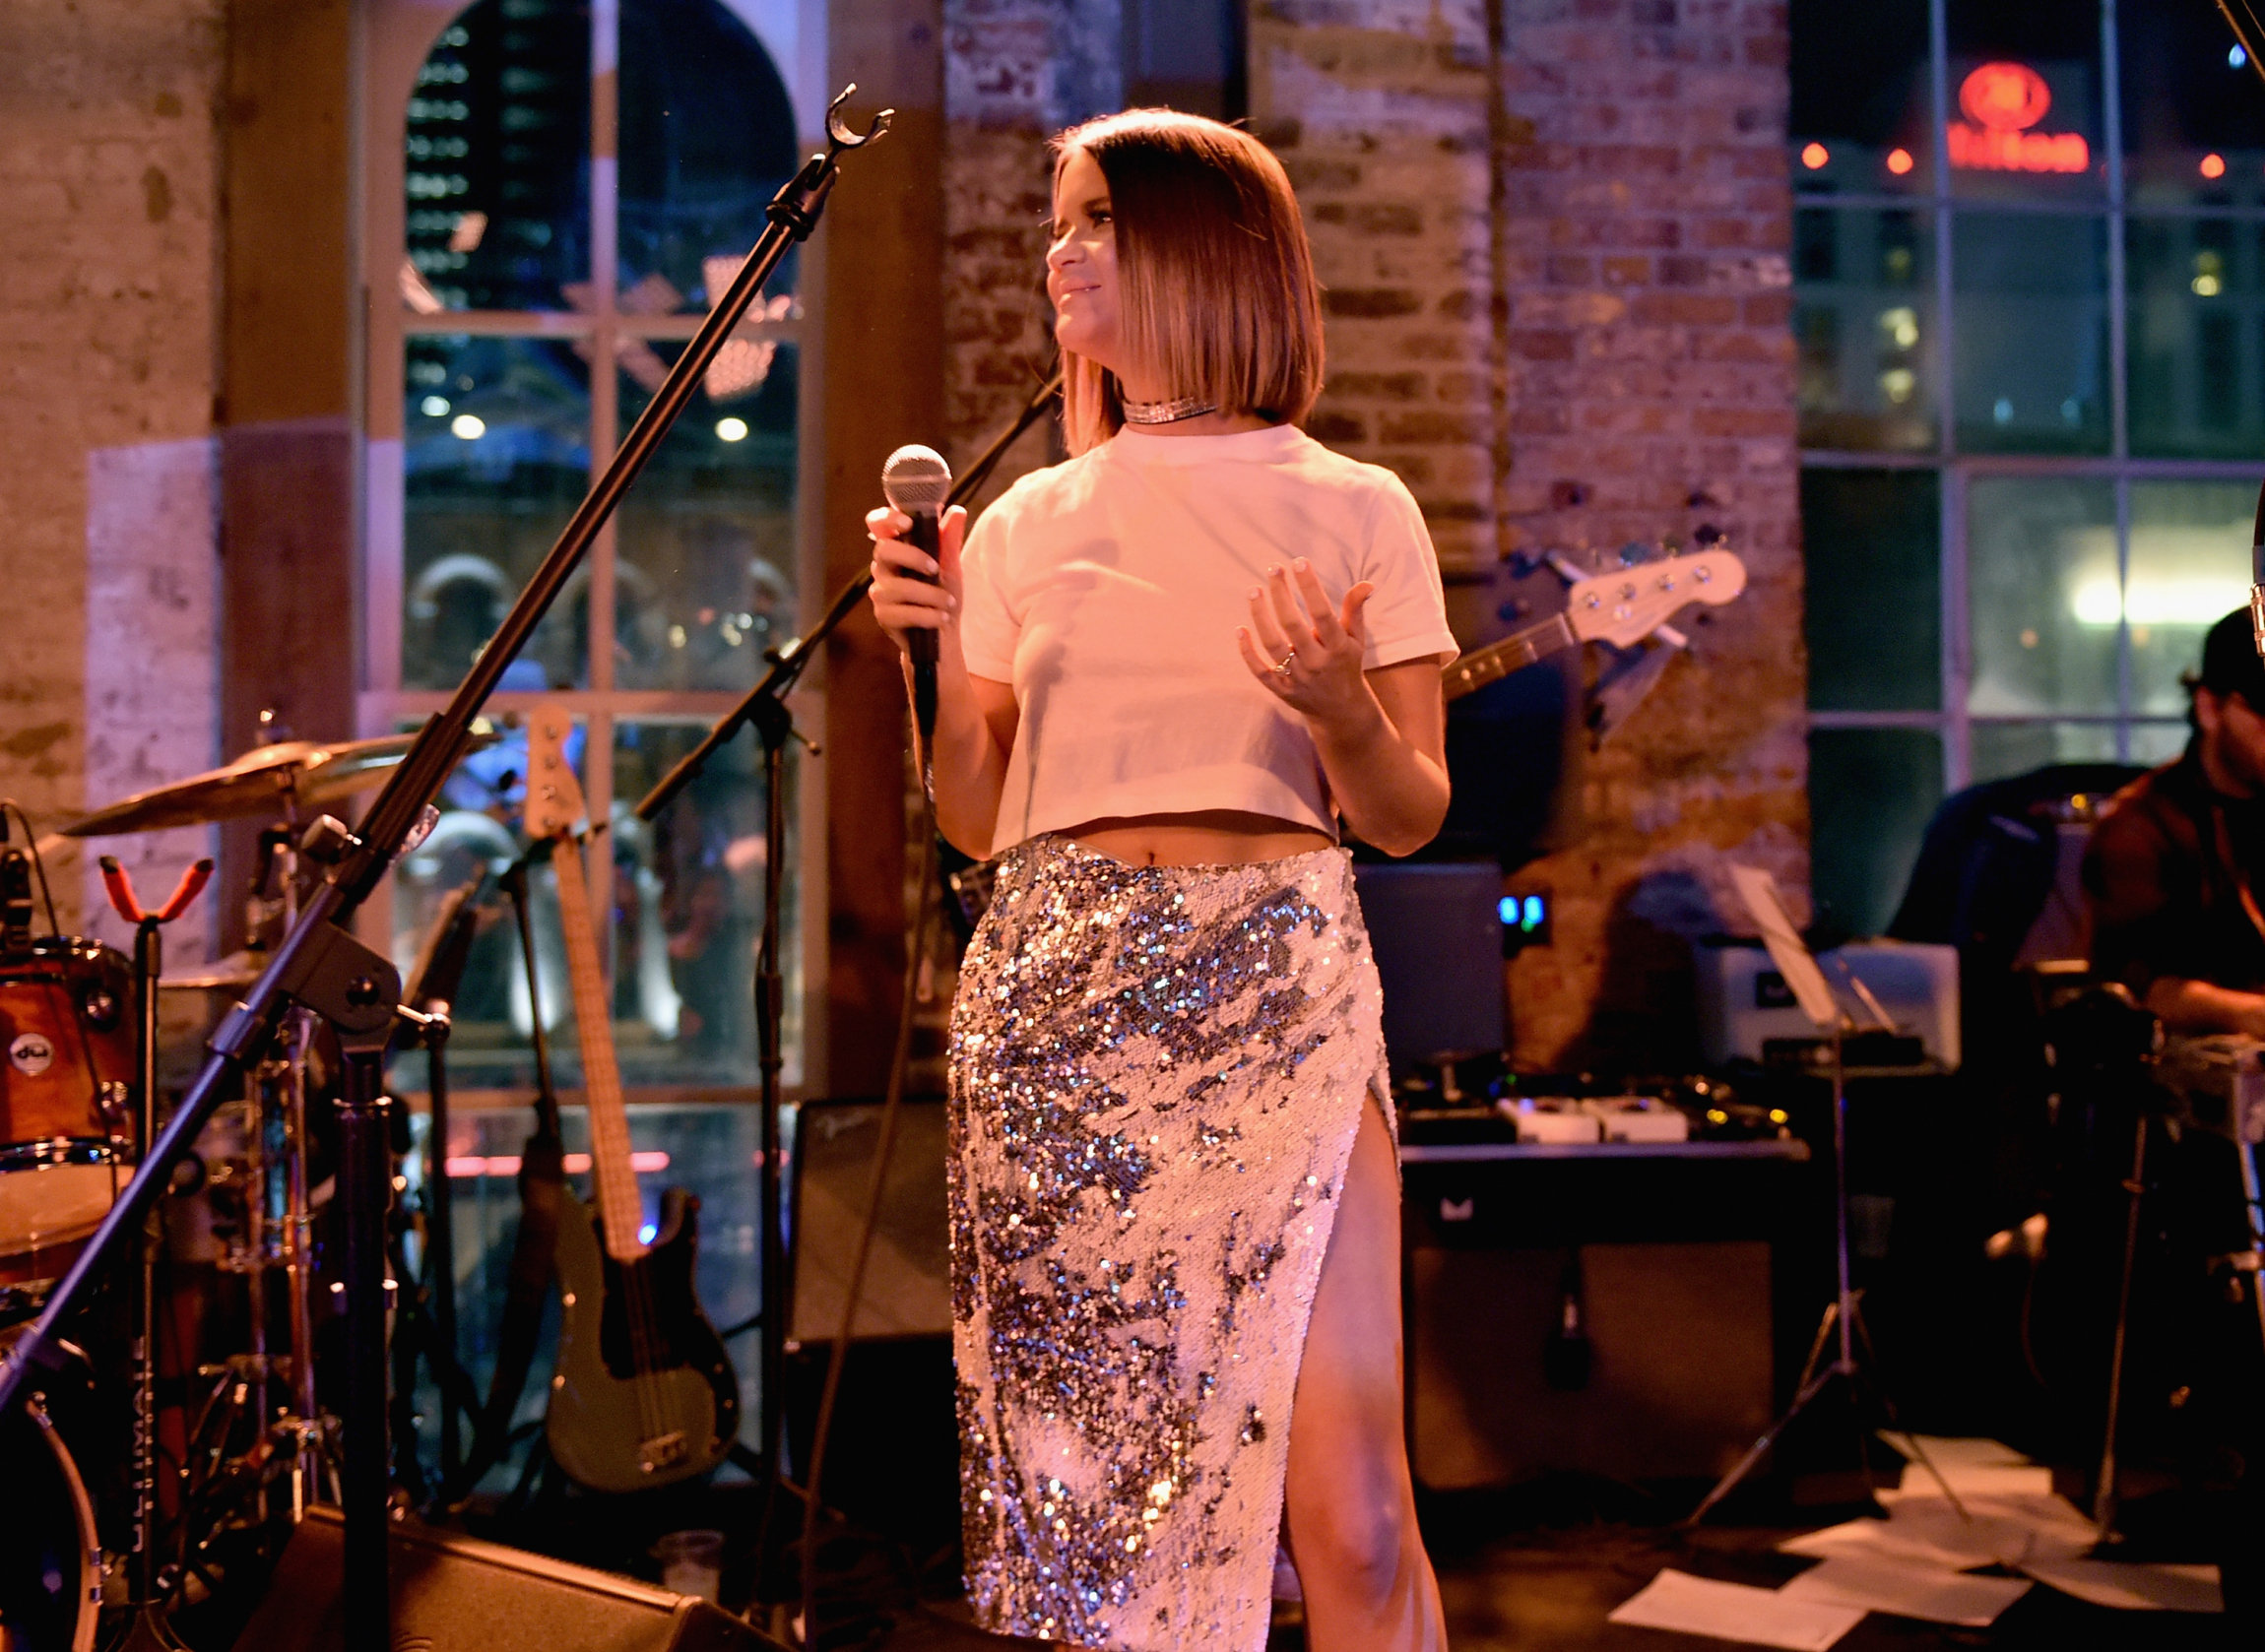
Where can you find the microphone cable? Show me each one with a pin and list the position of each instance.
(919, 936)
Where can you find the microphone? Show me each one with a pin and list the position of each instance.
(2257, 576)
(916, 480)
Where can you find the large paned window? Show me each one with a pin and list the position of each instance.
(2030, 279)
(578, 180)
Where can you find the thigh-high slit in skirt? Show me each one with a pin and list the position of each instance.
(1156, 1076)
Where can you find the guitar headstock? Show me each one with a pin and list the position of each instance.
(1623, 608)
(554, 793)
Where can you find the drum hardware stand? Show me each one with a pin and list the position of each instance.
(541, 1183)
(1843, 1326)
(765, 709)
(277, 1098)
(323, 967)
(427, 1322)
(141, 1292)
(2245, 1269)
(313, 1444)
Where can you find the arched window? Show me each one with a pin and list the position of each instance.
(556, 188)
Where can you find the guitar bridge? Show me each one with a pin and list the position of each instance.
(663, 1451)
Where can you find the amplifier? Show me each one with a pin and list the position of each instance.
(1744, 1003)
(1678, 1377)
(907, 1285)
(451, 1591)
(1673, 1255)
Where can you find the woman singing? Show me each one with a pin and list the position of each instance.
(1169, 667)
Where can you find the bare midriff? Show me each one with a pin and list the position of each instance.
(1211, 838)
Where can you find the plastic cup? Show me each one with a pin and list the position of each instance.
(691, 1562)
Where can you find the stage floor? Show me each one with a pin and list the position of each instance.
(1549, 1590)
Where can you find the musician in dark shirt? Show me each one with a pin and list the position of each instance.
(2173, 869)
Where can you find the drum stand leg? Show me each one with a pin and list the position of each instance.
(314, 1467)
(2103, 1497)
(148, 964)
(365, 1183)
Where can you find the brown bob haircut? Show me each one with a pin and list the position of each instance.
(1216, 278)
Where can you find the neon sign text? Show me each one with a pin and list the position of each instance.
(2002, 102)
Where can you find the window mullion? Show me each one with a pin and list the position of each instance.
(1957, 764)
(2118, 399)
(605, 433)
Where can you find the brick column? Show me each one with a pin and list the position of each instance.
(1645, 220)
(1555, 238)
(1015, 73)
(109, 164)
(1380, 112)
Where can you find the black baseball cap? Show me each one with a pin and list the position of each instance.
(2229, 660)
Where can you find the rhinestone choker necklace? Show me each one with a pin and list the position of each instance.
(1168, 413)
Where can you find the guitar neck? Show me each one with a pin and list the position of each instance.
(611, 1173)
(1514, 652)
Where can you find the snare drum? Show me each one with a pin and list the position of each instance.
(66, 1085)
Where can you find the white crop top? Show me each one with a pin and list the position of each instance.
(1107, 590)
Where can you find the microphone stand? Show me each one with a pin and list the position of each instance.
(325, 968)
(765, 709)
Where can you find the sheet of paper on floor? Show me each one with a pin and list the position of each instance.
(2006, 1527)
(1913, 1543)
(2004, 1530)
(1908, 1589)
(1977, 1479)
(2129, 1587)
(1945, 1449)
(1702, 1606)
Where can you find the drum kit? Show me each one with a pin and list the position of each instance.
(226, 1440)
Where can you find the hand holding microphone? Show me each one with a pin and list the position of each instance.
(908, 597)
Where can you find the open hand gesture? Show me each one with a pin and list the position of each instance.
(1302, 649)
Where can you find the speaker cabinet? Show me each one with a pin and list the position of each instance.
(892, 1463)
(907, 1288)
(453, 1591)
(1679, 1378)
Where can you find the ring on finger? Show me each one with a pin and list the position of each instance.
(1283, 664)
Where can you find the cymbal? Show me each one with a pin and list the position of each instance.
(270, 780)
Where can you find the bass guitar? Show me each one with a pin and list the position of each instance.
(1620, 608)
(643, 1393)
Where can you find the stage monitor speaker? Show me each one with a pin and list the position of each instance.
(453, 1591)
(1436, 930)
(908, 1278)
(1679, 1378)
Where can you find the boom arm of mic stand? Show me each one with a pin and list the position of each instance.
(319, 938)
(788, 663)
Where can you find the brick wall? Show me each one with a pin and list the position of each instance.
(108, 178)
(1643, 222)
(1015, 71)
(1378, 110)
(1554, 235)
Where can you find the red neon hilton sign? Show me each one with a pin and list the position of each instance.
(2001, 102)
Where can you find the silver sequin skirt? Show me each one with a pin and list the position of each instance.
(1156, 1077)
